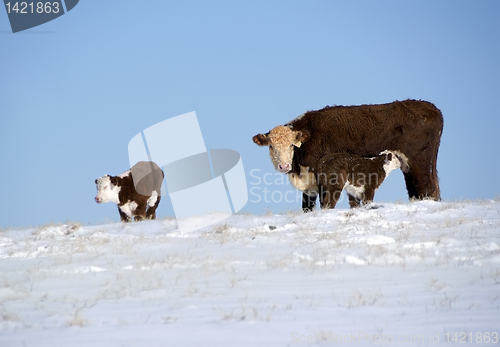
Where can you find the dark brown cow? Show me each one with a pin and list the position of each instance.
(137, 191)
(360, 177)
(411, 127)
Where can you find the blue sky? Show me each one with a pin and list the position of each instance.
(74, 91)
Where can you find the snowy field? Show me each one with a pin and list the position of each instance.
(412, 273)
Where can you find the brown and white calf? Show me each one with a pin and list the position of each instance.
(360, 177)
(137, 191)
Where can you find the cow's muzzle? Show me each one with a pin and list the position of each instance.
(98, 200)
(284, 168)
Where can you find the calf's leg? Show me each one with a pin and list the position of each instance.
(353, 201)
(330, 196)
(151, 211)
(123, 216)
(140, 211)
(368, 195)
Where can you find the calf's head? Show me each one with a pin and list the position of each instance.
(107, 189)
(391, 161)
(281, 141)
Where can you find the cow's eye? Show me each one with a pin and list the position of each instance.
(105, 187)
(270, 146)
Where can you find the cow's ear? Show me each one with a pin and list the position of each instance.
(114, 180)
(301, 137)
(96, 181)
(261, 140)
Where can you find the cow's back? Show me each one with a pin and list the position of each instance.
(367, 130)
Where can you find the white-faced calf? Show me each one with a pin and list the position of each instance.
(358, 176)
(137, 191)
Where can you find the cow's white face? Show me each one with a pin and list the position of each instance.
(281, 141)
(106, 190)
(391, 162)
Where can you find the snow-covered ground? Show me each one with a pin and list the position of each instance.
(417, 272)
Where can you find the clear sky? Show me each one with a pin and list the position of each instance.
(74, 91)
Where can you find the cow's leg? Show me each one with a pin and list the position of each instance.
(308, 202)
(123, 216)
(421, 178)
(410, 185)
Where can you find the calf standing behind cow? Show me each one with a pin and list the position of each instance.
(359, 177)
(137, 191)
(412, 128)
